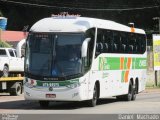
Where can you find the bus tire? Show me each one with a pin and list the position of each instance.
(134, 92)
(128, 97)
(16, 90)
(44, 104)
(93, 101)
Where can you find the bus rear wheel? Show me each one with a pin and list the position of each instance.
(134, 92)
(44, 104)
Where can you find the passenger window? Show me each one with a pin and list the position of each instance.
(131, 43)
(124, 40)
(11, 53)
(108, 41)
(99, 43)
(117, 42)
(3, 52)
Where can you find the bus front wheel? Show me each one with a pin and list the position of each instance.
(93, 101)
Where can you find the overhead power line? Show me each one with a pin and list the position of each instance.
(80, 8)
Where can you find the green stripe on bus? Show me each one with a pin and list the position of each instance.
(140, 63)
(122, 76)
(125, 63)
(113, 63)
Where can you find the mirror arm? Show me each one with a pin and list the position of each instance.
(85, 46)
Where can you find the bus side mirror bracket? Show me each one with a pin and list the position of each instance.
(85, 47)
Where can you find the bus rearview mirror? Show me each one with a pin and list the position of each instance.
(85, 46)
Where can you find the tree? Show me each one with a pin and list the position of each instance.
(4, 44)
(1, 14)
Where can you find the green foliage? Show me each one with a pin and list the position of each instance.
(21, 15)
(4, 44)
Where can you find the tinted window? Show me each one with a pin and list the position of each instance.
(2, 52)
(110, 41)
(11, 53)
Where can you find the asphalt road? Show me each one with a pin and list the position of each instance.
(147, 102)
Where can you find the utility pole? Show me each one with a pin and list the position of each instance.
(157, 18)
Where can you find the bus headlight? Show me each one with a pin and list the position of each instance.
(30, 83)
(74, 85)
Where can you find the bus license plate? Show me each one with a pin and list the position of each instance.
(50, 95)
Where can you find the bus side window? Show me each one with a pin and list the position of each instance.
(135, 45)
(106, 47)
(99, 48)
(138, 44)
(117, 42)
(124, 39)
(131, 43)
(141, 44)
(108, 41)
(99, 43)
(115, 39)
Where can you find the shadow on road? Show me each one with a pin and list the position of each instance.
(34, 105)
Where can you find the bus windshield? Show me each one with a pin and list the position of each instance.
(53, 55)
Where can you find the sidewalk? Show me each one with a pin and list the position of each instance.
(152, 90)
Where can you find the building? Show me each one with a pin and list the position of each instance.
(13, 37)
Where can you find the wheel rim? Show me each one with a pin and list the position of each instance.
(5, 71)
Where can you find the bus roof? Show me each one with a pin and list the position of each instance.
(78, 24)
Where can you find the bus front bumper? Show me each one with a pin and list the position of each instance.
(75, 94)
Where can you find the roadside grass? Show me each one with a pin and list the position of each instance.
(152, 85)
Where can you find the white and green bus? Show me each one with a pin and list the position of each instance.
(71, 58)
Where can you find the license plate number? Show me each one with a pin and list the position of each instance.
(50, 95)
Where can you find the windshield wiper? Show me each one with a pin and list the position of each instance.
(73, 76)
